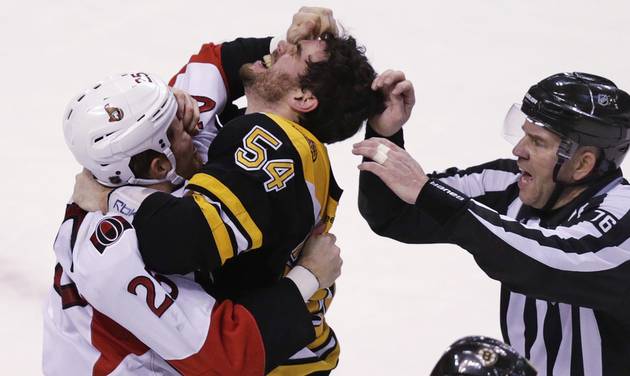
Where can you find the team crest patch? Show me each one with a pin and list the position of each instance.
(108, 231)
(115, 113)
(313, 148)
(487, 357)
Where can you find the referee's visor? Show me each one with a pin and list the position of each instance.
(513, 124)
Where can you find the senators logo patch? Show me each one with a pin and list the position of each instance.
(205, 104)
(115, 113)
(108, 231)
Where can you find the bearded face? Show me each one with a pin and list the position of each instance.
(269, 85)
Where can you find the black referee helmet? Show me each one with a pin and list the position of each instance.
(584, 109)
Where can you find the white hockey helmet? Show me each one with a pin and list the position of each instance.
(117, 118)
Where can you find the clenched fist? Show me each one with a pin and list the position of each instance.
(323, 258)
(310, 23)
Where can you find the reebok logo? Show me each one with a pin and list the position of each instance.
(122, 208)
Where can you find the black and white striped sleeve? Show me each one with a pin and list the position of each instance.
(486, 183)
(387, 215)
(583, 263)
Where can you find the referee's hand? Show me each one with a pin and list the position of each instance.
(394, 166)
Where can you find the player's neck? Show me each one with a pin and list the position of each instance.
(165, 186)
(255, 104)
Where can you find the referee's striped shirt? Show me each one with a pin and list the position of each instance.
(565, 274)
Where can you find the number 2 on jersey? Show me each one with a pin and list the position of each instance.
(252, 156)
(149, 286)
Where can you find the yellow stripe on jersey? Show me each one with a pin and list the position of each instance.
(329, 213)
(233, 203)
(317, 173)
(315, 163)
(217, 227)
(309, 366)
(326, 364)
(322, 337)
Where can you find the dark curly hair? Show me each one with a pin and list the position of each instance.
(342, 86)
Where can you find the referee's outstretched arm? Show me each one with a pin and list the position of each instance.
(584, 263)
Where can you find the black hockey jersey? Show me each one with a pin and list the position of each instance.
(267, 184)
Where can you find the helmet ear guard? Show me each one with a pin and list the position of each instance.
(566, 149)
(122, 116)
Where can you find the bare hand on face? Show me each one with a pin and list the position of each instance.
(323, 258)
(88, 193)
(400, 172)
(187, 111)
(399, 101)
(310, 23)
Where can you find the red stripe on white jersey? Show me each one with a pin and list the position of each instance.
(113, 342)
(233, 346)
(209, 53)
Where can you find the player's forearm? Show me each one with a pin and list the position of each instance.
(253, 334)
(228, 58)
(173, 235)
(283, 320)
(236, 53)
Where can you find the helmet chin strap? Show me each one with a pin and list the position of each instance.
(171, 175)
(565, 152)
(146, 182)
(559, 188)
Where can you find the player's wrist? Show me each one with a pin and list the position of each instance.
(306, 282)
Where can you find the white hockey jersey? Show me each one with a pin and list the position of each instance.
(108, 315)
(97, 338)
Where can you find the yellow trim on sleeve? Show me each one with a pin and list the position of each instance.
(233, 203)
(310, 365)
(217, 227)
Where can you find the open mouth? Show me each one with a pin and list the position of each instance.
(267, 61)
(526, 177)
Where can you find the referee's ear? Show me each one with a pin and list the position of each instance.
(584, 162)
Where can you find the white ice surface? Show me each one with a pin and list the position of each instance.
(398, 306)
